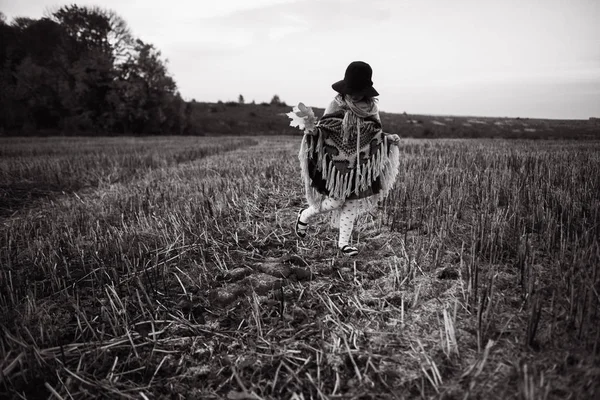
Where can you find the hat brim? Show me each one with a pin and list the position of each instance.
(342, 88)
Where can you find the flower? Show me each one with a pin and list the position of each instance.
(303, 117)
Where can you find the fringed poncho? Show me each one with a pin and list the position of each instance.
(348, 157)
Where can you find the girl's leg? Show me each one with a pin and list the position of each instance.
(327, 205)
(348, 215)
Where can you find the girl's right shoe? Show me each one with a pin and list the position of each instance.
(349, 251)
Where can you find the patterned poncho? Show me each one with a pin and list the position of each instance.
(348, 156)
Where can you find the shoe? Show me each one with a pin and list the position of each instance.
(300, 227)
(348, 250)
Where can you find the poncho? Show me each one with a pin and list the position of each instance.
(348, 157)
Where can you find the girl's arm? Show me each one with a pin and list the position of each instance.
(332, 107)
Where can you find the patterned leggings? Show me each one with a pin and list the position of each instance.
(348, 214)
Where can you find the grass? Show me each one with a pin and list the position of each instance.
(168, 267)
(32, 167)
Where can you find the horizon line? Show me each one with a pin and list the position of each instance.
(590, 118)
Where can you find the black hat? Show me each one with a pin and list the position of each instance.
(357, 80)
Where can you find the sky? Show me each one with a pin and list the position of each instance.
(497, 58)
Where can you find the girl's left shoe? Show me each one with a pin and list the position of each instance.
(301, 227)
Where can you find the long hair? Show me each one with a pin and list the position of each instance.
(371, 101)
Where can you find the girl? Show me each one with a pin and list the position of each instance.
(347, 162)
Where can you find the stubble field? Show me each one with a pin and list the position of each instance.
(167, 267)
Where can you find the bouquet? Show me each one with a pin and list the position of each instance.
(303, 117)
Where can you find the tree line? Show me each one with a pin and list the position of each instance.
(79, 70)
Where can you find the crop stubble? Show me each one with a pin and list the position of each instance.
(158, 266)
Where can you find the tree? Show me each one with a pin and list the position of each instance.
(146, 89)
(275, 100)
(21, 23)
(241, 99)
(80, 70)
(98, 41)
(30, 77)
(87, 29)
(119, 36)
(98, 29)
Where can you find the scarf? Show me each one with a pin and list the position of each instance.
(355, 113)
(348, 157)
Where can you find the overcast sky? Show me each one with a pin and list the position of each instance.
(515, 58)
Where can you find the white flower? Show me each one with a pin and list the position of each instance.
(303, 117)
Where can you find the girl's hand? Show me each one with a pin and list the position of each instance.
(393, 138)
(303, 117)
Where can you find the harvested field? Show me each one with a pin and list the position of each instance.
(168, 268)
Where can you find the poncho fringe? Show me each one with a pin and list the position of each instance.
(382, 164)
